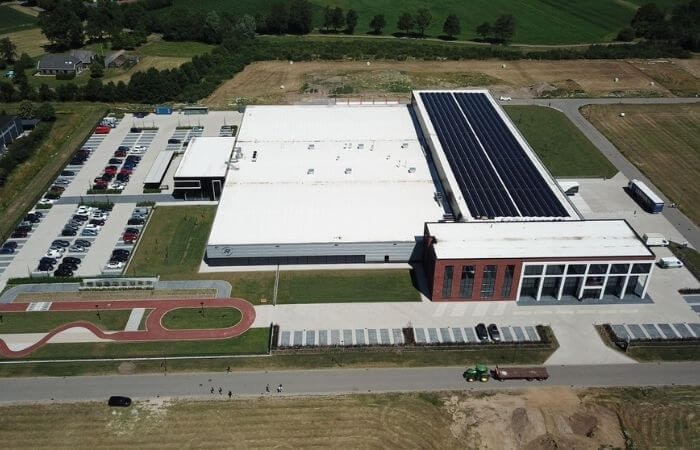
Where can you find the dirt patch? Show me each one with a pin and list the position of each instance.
(148, 62)
(679, 76)
(282, 82)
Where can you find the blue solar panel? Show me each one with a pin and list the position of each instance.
(527, 187)
(497, 178)
(483, 192)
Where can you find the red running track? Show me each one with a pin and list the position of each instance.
(154, 329)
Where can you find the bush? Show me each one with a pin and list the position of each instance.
(65, 76)
(626, 35)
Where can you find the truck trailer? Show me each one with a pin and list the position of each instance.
(520, 373)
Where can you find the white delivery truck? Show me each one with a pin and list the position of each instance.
(655, 240)
(670, 262)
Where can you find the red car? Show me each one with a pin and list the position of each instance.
(126, 171)
(129, 238)
(102, 130)
(111, 170)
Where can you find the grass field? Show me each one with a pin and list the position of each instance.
(195, 318)
(37, 322)
(689, 256)
(74, 122)
(662, 141)
(560, 145)
(173, 246)
(29, 41)
(174, 49)
(559, 417)
(13, 20)
(252, 342)
(538, 21)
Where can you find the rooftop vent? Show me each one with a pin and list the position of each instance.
(255, 155)
(348, 171)
(360, 146)
(312, 146)
(404, 145)
(310, 171)
(411, 170)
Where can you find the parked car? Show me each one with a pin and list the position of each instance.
(129, 238)
(76, 249)
(67, 265)
(174, 141)
(132, 230)
(61, 243)
(115, 161)
(47, 201)
(57, 188)
(88, 233)
(136, 221)
(494, 334)
(122, 177)
(102, 185)
(481, 332)
(68, 232)
(54, 254)
(6, 251)
(63, 272)
(45, 267)
(81, 217)
(31, 218)
(24, 228)
(72, 260)
(18, 234)
(99, 214)
(67, 173)
(83, 243)
(62, 182)
(9, 244)
(117, 186)
(47, 260)
(118, 400)
(119, 258)
(114, 265)
(121, 251)
(123, 148)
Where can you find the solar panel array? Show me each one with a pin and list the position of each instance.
(495, 174)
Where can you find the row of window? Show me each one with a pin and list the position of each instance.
(488, 281)
(580, 269)
(590, 287)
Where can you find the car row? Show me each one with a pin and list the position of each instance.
(120, 255)
(118, 172)
(486, 333)
(24, 228)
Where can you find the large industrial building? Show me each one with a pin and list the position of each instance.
(447, 181)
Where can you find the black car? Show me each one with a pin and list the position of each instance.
(60, 243)
(80, 217)
(47, 260)
(118, 400)
(26, 228)
(174, 141)
(135, 221)
(45, 267)
(72, 260)
(135, 130)
(99, 222)
(18, 234)
(6, 251)
(32, 218)
(77, 162)
(83, 243)
(481, 332)
(132, 230)
(120, 251)
(69, 266)
(67, 232)
(67, 173)
(63, 271)
(107, 177)
(118, 258)
(494, 333)
(9, 244)
(115, 161)
(122, 177)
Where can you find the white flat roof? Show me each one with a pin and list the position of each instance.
(159, 167)
(342, 173)
(206, 157)
(569, 239)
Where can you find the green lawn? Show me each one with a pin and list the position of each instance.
(252, 342)
(28, 181)
(37, 322)
(560, 145)
(13, 20)
(346, 286)
(196, 318)
(175, 49)
(173, 246)
(689, 256)
(537, 21)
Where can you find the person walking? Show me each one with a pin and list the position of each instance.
(230, 394)
(267, 388)
(212, 389)
(220, 391)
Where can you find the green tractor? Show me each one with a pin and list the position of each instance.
(480, 372)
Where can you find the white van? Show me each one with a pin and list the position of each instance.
(670, 262)
(655, 240)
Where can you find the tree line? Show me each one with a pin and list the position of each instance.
(681, 26)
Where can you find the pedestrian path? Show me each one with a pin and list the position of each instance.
(134, 319)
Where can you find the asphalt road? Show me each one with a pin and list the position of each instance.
(570, 107)
(335, 381)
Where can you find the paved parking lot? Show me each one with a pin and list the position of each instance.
(646, 331)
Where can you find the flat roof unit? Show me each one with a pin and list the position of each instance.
(206, 157)
(570, 239)
(159, 167)
(490, 169)
(326, 174)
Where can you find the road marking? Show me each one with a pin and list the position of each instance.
(38, 306)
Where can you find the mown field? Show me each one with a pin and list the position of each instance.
(538, 21)
(173, 247)
(196, 318)
(13, 20)
(37, 322)
(662, 141)
(536, 418)
(30, 41)
(26, 184)
(560, 145)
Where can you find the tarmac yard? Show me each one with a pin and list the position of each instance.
(533, 418)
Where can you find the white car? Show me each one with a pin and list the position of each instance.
(116, 186)
(76, 249)
(141, 147)
(47, 201)
(115, 265)
(93, 227)
(505, 99)
(99, 216)
(57, 253)
(83, 211)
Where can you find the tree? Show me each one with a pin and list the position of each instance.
(484, 30)
(646, 19)
(300, 17)
(212, 28)
(62, 26)
(97, 67)
(377, 23)
(245, 27)
(337, 18)
(276, 21)
(504, 28)
(405, 22)
(626, 34)
(422, 20)
(451, 27)
(327, 18)
(685, 23)
(45, 92)
(351, 21)
(26, 109)
(46, 112)
(8, 50)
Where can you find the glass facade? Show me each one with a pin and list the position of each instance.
(466, 282)
(507, 281)
(584, 281)
(488, 281)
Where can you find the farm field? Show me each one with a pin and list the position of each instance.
(173, 246)
(534, 418)
(159, 47)
(14, 20)
(29, 41)
(662, 141)
(271, 82)
(560, 145)
(145, 63)
(538, 21)
(26, 184)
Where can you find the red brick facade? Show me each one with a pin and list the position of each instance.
(437, 273)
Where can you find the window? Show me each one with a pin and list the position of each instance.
(598, 268)
(550, 287)
(533, 270)
(488, 282)
(614, 286)
(447, 282)
(619, 268)
(530, 287)
(591, 293)
(595, 281)
(571, 286)
(576, 269)
(556, 269)
(507, 281)
(466, 282)
(641, 268)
